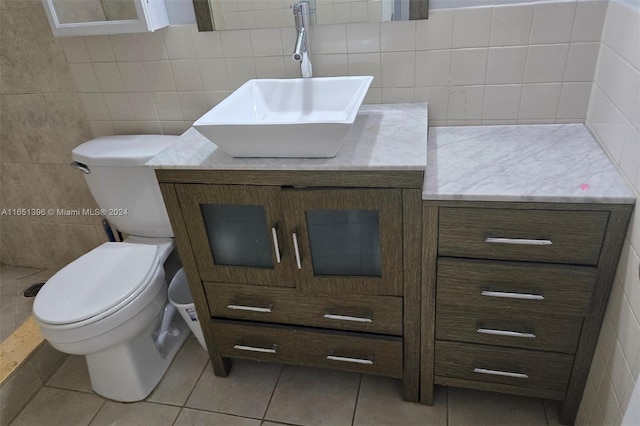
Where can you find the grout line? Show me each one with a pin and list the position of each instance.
(206, 364)
(104, 401)
(273, 392)
(355, 408)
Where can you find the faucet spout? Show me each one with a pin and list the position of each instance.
(301, 49)
(301, 45)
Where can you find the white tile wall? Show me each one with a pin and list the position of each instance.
(449, 60)
(612, 117)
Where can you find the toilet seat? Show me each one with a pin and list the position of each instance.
(96, 285)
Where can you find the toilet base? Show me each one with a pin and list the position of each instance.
(130, 371)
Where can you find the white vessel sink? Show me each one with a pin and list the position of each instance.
(302, 117)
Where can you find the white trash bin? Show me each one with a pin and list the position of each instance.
(180, 297)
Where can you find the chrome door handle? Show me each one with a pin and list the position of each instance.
(349, 359)
(518, 241)
(296, 250)
(500, 373)
(331, 316)
(505, 333)
(256, 349)
(276, 246)
(509, 295)
(236, 307)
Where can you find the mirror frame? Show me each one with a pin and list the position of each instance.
(418, 9)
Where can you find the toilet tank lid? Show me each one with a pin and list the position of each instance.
(125, 150)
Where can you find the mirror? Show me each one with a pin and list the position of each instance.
(242, 14)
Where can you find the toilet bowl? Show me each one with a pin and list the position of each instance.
(108, 305)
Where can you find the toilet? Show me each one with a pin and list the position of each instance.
(110, 304)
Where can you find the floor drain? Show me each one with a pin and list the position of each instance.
(32, 290)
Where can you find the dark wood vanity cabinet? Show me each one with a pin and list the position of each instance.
(310, 268)
(514, 294)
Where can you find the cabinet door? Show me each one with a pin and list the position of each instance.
(93, 17)
(346, 240)
(236, 233)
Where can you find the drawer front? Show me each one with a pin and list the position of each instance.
(521, 287)
(517, 367)
(530, 235)
(497, 327)
(294, 345)
(374, 314)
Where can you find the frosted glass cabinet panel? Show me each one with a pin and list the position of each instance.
(320, 241)
(238, 235)
(235, 232)
(344, 242)
(349, 240)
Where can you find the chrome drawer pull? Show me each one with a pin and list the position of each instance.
(297, 250)
(249, 308)
(276, 246)
(521, 241)
(505, 333)
(509, 295)
(500, 373)
(255, 349)
(331, 316)
(347, 359)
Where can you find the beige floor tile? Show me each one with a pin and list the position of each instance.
(380, 403)
(189, 417)
(470, 408)
(314, 396)
(16, 391)
(46, 361)
(72, 375)
(54, 407)
(244, 392)
(10, 273)
(182, 375)
(133, 414)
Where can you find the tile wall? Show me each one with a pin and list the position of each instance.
(509, 64)
(42, 119)
(614, 118)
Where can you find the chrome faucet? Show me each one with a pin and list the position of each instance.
(301, 53)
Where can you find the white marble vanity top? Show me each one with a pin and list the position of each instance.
(539, 163)
(383, 137)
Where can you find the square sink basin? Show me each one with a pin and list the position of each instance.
(300, 117)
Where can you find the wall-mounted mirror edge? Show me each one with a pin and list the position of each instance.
(207, 10)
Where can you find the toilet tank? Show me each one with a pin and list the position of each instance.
(123, 187)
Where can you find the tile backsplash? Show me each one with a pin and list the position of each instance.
(527, 63)
(613, 117)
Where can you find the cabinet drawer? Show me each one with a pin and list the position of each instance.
(530, 235)
(374, 314)
(522, 287)
(516, 367)
(497, 327)
(346, 351)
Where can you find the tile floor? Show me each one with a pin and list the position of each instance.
(14, 308)
(267, 394)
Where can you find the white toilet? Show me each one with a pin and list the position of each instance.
(111, 304)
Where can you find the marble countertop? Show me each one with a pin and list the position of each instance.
(540, 163)
(383, 137)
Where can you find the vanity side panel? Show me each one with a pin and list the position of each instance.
(221, 365)
(412, 249)
(610, 254)
(428, 301)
